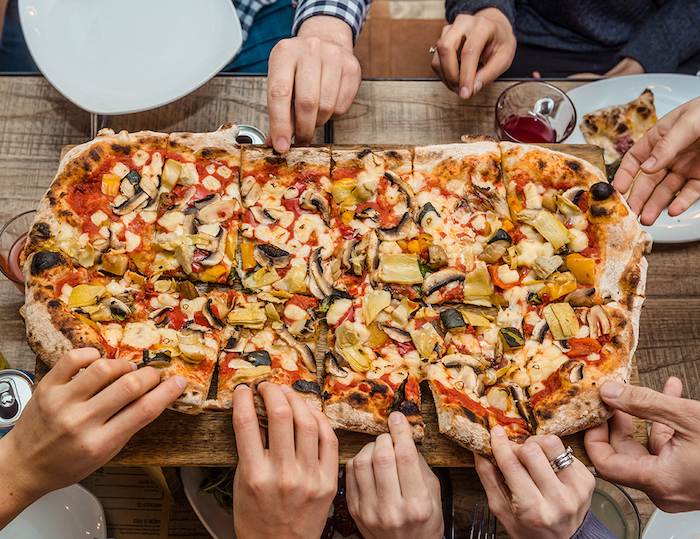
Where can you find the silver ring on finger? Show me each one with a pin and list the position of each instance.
(564, 460)
(432, 50)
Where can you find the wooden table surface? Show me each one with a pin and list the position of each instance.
(36, 122)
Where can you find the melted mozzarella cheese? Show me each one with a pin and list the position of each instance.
(140, 335)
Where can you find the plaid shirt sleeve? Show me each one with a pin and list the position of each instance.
(353, 12)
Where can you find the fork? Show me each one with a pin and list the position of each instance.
(481, 528)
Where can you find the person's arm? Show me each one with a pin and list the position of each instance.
(391, 492)
(668, 471)
(284, 490)
(530, 500)
(666, 39)
(314, 76)
(477, 46)
(664, 161)
(75, 422)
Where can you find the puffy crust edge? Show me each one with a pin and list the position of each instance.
(342, 415)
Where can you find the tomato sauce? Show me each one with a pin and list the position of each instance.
(551, 384)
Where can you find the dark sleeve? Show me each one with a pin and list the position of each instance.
(592, 528)
(668, 38)
(457, 7)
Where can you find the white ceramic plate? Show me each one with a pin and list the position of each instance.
(217, 521)
(673, 526)
(670, 91)
(68, 512)
(116, 57)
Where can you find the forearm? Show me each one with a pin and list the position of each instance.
(351, 12)
(16, 493)
(457, 7)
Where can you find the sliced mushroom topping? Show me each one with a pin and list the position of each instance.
(117, 307)
(262, 216)
(373, 257)
(581, 297)
(573, 195)
(211, 317)
(462, 203)
(127, 188)
(398, 335)
(521, 400)
(317, 272)
(428, 212)
(355, 255)
(307, 355)
(158, 314)
(258, 358)
(158, 360)
(253, 194)
(398, 232)
(269, 255)
(437, 280)
(231, 338)
(149, 186)
(307, 386)
(402, 186)
(185, 200)
(437, 257)
(540, 330)
(544, 266)
(335, 365)
(184, 254)
(467, 379)
(598, 322)
(216, 212)
(563, 346)
(452, 361)
(131, 204)
(188, 225)
(368, 213)
(207, 200)
(313, 200)
(576, 373)
(493, 252)
(216, 256)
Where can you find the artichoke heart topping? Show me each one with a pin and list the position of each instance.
(374, 303)
(251, 315)
(348, 345)
(84, 295)
(427, 341)
(248, 375)
(562, 320)
(400, 268)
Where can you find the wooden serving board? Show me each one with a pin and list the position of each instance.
(176, 439)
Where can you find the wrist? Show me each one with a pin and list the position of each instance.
(328, 28)
(626, 66)
(495, 15)
(17, 491)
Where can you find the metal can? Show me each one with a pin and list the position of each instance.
(16, 389)
(249, 134)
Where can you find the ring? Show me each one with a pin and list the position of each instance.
(432, 50)
(563, 461)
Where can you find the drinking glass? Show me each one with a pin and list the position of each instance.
(13, 236)
(614, 507)
(534, 111)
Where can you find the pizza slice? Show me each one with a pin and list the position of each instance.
(375, 346)
(288, 236)
(615, 129)
(268, 341)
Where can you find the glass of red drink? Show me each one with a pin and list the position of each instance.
(13, 236)
(534, 111)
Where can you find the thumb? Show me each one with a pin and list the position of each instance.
(648, 404)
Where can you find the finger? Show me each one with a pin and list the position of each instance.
(282, 67)
(493, 483)
(679, 136)
(448, 51)
(621, 428)
(349, 85)
(364, 475)
(537, 464)
(648, 404)
(70, 364)
(662, 195)
(331, 75)
(430, 479)
(386, 475)
(689, 194)
(305, 429)
(352, 491)
(307, 94)
(249, 443)
(471, 54)
(98, 375)
(127, 388)
(552, 447)
(515, 474)
(407, 456)
(280, 424)
(496, 64)
(328, 441)
(660, 433)
(141, 412)
(642, 190)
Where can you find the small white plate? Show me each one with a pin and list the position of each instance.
(217, 521)
(117, 57)
(673, 526)
(68, 512)
(670, 91)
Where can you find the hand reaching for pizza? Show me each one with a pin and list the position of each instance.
(286, 489)
(668, 472)
(524, 492)
(485, 37)
(311, 78)
(667, 159)
(75, 422)
(391, 491)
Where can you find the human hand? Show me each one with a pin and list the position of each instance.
(311, 78)
(485, 37)
(667, 159)
(75, 422)
(283, 491)
(391, 491)
(626, 66)
(668, 472)
(527, 496)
